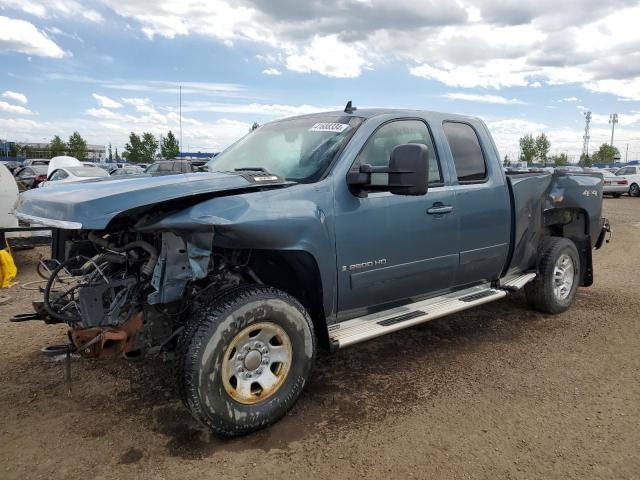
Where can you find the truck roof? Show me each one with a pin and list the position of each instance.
(402, 112)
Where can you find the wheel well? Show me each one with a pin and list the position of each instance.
(573, 223)
(297, 273)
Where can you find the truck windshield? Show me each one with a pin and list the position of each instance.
(298, 149)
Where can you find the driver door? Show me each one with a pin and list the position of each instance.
(394, 248)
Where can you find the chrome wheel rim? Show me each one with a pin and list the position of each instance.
(563, 273)
(635, 190)
(256, 362)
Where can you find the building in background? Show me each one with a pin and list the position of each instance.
(96, 153)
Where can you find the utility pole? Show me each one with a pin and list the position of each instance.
(586, 137)
(626, 154)
(180, 149)
(613, 119)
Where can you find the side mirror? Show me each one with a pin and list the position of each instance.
(409, 169)
(408, 172)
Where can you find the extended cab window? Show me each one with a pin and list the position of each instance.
(467, 153)
(377, 150)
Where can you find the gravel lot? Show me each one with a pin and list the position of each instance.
(495, 392)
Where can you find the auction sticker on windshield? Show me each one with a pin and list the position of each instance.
(329, 127)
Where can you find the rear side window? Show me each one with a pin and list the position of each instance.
(467, 154)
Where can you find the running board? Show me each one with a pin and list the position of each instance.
(377, 324)
(516, 283)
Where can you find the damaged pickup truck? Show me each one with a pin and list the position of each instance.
(322, 230)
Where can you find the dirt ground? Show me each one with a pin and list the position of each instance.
(495, 392)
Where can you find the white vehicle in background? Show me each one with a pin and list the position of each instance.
(8, 197)
(614, 185)
(73, 174)
(11, 233)
(62, 161)
(632, 174)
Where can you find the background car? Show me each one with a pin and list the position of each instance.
(36, 161)
(128, 170)
(172, 167)
(614, 185)
(632, 174)
(30, 177)
(74, 174)
(12, 165)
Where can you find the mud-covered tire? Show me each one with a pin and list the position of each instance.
(634, 190)
(543, 292)
(205, 343)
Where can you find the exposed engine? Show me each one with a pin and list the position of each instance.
(127, 293)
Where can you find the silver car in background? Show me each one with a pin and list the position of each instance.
(614, 185)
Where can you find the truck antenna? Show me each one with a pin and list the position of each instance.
(349, 108)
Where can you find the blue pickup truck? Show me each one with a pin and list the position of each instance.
(322, 230)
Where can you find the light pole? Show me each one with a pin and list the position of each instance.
(613, 119)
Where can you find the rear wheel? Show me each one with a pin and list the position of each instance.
(246, 359)
(554, 289)
(634, 190)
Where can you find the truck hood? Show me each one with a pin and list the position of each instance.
(93, 204)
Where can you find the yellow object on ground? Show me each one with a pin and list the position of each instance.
(8, 270)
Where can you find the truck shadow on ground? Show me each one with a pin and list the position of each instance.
(360, 385)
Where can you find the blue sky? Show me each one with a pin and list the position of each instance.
(106, 68)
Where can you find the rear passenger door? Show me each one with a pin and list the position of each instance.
(482, 202)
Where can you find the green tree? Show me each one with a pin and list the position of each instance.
(585, 160)
(506, 162)
(57, 147)
(133, 150)
(559, 160)
(542, 147)
(116, 155)
(605, 154)
(527, 149)
(77, 146)
(169, 147)
(255, 126)
(110, 153)
(149, 147)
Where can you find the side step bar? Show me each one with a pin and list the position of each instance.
(377, 324)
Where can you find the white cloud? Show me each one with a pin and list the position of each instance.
(21, 36)
(478, 43)
(276, 110)
(624, 119)
(272, 71)
(569, 99)
(328, 56)
(53, 9)
(627, 89)
(471, 97)
(494, 74)
(8, 108)
(106, 102)
(137, 102)
(18, 97)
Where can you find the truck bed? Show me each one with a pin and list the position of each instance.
(538, 198)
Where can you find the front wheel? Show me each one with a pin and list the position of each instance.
(246, 359)
(634, 190)
(554, 289)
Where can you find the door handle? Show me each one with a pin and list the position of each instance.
(439, 209)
